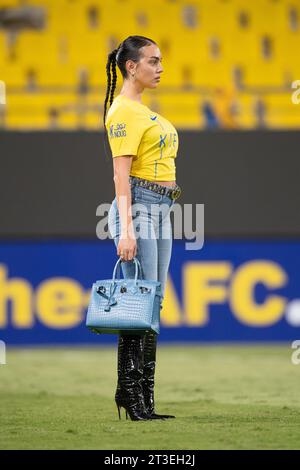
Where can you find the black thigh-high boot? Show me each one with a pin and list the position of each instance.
(150, 343)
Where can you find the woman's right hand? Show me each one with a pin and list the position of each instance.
(127, 248)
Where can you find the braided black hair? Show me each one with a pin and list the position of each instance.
(128, 49)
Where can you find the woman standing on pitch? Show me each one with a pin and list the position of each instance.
(144, 146)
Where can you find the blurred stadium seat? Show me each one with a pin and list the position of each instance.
(203, 45)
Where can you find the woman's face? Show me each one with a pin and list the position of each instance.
(147, 71)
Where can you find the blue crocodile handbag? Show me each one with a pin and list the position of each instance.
(130, 306)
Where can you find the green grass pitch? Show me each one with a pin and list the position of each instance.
(224, 397)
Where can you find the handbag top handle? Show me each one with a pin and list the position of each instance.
(116, 270)
(113, 285)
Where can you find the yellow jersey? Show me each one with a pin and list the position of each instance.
(133, 129)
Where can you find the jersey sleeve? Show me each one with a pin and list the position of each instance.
(125, 130)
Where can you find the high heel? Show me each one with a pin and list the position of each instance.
(134, 413)
(119, 412)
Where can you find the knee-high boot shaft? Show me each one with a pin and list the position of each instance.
(129, 393)
(150, 345)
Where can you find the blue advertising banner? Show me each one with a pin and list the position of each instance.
(227, 291)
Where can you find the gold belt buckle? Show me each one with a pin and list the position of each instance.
(176, 193)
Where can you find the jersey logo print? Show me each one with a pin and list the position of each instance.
(117, 130)
(162, 140)
(162, 143)
(153, 118)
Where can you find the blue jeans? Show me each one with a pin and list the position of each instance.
(153, 230)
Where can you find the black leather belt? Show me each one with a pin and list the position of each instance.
(173, 193)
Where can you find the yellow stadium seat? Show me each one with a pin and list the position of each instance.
(37, 48)
(202, 42)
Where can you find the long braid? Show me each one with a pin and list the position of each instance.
(114, 79)
(111, 86)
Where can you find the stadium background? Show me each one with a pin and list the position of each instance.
(230, 87)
